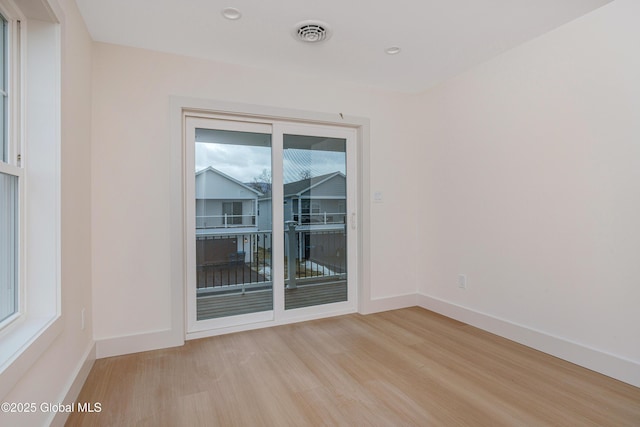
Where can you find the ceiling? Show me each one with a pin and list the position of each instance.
(438, 38)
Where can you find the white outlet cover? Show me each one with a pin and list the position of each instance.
(462, 281)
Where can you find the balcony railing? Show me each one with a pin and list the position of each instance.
(225, 221)
(231, 261)
(320, 218)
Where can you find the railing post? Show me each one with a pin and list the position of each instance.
(291, 254)
(325, 218)
(225, 220)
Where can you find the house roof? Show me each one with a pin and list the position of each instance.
(230, 178)
(296, 188)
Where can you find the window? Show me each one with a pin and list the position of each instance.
(232, 212)
(8, 246)
(3, 90)
(30, 304)
(9, 187)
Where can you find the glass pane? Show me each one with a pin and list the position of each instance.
(3, 90)
(8, 245)
(315, 200)
(4, 140)
(233, 223)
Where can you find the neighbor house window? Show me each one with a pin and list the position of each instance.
(233, 212)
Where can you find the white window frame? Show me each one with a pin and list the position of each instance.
(35, 132)
(11, 166)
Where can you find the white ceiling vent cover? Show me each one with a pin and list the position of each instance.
(311, 31)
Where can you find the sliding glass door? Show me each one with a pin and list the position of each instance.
(270, 222)
(315, 217)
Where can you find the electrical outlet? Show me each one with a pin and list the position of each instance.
(462, 281)
(82, 319)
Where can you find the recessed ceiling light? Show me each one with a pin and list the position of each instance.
(393, 50)
(231, 13)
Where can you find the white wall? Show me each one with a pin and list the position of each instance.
(533, 191)
(131, 173)
(68, 359)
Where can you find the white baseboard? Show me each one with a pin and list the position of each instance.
(388, 303)
(613, 366)
(74, 385)
(136, 343)
(117, 346)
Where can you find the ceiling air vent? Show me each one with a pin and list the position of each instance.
(311, 31)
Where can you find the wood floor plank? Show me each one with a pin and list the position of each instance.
(408, 367)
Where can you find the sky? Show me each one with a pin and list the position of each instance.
(246, 163)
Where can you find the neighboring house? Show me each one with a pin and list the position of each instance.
(314, 203)
(226, 212)
(317, 201)
(317, 206)
(234, 220)
(223, 202)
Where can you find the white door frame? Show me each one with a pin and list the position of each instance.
(354, 134)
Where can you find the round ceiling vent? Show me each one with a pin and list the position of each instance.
(311, 31)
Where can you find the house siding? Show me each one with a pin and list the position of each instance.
(334, 187)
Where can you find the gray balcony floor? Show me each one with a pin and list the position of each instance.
(231, 304)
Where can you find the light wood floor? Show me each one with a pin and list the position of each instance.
(405, 367)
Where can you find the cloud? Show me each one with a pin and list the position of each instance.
(245, 162)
